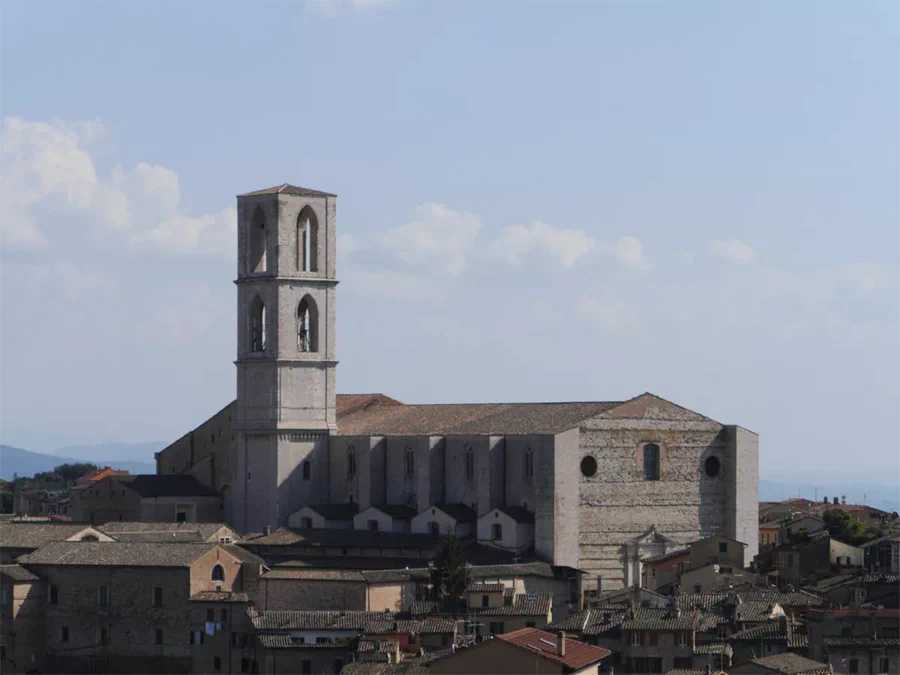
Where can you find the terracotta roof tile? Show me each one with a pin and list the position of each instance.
(17, 573)
(117, 554)
(578, 654)
(791, 664)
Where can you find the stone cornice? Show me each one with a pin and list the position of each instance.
(286, 362)
(300, 281)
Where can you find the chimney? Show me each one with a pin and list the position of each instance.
(844, 500)
(835, 500)
(267, 530)
(783, 621)
(825, 500)
(561, 643)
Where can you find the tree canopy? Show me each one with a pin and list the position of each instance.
(841, 525)
(449, 576)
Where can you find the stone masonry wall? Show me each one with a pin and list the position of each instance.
(617, 504)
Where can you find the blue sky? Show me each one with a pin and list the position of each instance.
(537, 201)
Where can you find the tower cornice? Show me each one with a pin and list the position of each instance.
(310, 280)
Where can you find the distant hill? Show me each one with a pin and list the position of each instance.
(26, 463)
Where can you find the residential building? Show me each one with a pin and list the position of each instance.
(22, 620)
(98, 474)
(821, 554)
(715, 576)
(491, 610)
(222, 633)
(883, 554)
(527, 650)
(719, 550)
(856, 639)
(775, 636)
(147, 498)
(124, 607)
(658, 640)
(665, 569)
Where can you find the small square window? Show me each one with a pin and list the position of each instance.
(223, 615)
(210, 615)
(723, 547)
(64, 634)
(159, 636)
(157, 596)
(217, 663)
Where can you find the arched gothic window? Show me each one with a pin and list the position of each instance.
(410, 459)
(258, 326)
(470, 462)
(529, 462)
(651, 461)
(351, 461)
(218, 573)
(307, 325)
(258, 242)
(307, 469)
(307, 237)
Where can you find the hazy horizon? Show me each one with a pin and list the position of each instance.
(537, 201)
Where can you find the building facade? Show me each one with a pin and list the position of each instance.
(608, 483)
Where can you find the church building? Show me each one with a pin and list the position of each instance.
(593, 485)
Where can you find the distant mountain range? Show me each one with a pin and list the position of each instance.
(26, 463)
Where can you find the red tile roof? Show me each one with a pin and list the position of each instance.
(99, 474)
(578, 654)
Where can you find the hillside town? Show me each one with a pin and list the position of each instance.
(299, 530)
(142, 576)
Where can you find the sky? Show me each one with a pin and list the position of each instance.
(537, 202)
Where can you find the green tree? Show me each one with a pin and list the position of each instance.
(71, 472)
(449, 576)
(841, 525)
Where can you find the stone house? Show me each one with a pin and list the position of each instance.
(147, 498)
(289, 441)
(807, 524)
(385, 518)
(507, 527)
(506, 612)
(456, 519)
(659, 640)
(715, 576)
(664, 569)
(324, 516)
(821, 555)
(768, 535)
(98, 474)
(882, 555)
(222, 634)
(720, 550)
(124, 607)
(527, 650)
(22, 620)
(776, 636)
(854, 639)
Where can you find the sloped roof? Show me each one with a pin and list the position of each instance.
(162, 532)
(340, 537)
(666, 556)
(167, 485)
(524, 604)
(17, 573)
(124, 554)
(776, 630)
(220, 596)
(336, 511)
(518, 513)
(310, 620)
(661, 619)
(35, 535)
(287, 189)
(870, 641)
(790, 664)
(484, 588)
(398, 511)
(461, 513)
(468, 418)
(578, 654)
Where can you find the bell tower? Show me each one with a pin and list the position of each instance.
(285, 355)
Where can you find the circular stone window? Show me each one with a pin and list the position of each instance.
(588, 466)
(711, 466)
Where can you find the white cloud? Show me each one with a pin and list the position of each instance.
(517, 241)
(42, 161)
(57, 281)
(49, 164)
(734, 250)
(630, 252)
(437, 236)
(384, 283)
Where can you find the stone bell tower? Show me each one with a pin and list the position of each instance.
(286, 360)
